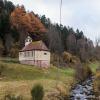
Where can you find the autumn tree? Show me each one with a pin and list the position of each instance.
(25, 23)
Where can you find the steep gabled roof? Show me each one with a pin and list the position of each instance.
(38, 45)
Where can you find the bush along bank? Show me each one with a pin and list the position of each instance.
(83, 90)
(97, 84)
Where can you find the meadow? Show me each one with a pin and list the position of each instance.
(19, 79)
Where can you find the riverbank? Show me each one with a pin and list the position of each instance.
(97, 85)
(83, 91)
(90, 88)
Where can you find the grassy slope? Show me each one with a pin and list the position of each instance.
(20, 78)
(97, 84)
(94, 66)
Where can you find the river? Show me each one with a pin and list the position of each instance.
(83, 91)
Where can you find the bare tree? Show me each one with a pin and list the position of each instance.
(71, 43)
(55, 44)
(81, 44)
(97, 49)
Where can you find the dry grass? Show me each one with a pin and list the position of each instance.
(94, 66)
(23, 87)
(97, 84)
(19, 79)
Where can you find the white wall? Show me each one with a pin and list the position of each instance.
(42, 55)
(36, 55)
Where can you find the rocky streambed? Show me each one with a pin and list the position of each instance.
(83, 91)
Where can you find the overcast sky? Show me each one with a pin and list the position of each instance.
(82, 14)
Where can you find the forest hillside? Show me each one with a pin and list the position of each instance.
(16, 24)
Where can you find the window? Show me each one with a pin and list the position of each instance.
(32, 53)
(45, 53)
(25, 54)
(21, 53)
(28, 53)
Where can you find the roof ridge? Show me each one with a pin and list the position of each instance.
(36, 45)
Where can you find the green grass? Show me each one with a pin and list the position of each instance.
(96, 82)
(94, 66)
(19, 79)
(15, 71)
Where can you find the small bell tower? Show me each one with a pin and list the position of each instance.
(28, 40)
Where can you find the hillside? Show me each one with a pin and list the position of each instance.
(74, 58)
(16, 24)
(19, 79)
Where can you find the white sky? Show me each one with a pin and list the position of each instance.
(82, 14)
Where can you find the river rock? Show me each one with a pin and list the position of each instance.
(83, 91)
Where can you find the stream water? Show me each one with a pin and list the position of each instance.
(83, 91)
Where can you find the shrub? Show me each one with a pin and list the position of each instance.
(87, 71)
(2, 68)
(37, 92)
(58, 93)
(82, 72)
(1, 48)
(62, 92)
(67, 57)
(14, 52)
(97, 84)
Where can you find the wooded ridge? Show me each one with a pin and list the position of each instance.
(16, 24)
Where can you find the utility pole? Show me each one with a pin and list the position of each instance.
(59, 52)
(60, 11)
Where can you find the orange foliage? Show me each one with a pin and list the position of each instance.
(26, 21)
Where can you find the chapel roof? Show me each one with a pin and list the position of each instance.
(37, 45)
